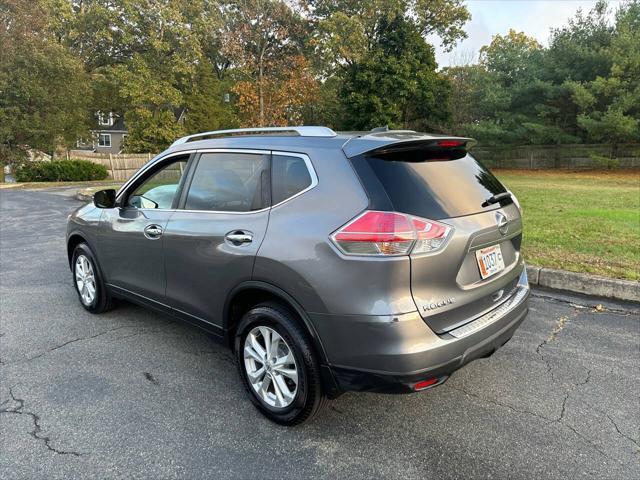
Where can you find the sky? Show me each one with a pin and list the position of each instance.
(491, 17)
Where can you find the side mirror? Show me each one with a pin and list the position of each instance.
(105, 198)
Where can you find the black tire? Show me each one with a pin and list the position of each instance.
(309, 398)
(102, 301)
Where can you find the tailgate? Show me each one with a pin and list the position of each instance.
(448, 287)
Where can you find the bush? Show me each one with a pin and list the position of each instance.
(60, 171)
(605, 162)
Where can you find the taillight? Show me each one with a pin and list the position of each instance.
(450, 143)
(431, 236)
(390, 234)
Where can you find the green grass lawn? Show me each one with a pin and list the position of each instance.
(580, 221)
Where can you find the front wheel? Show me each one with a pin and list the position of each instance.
(278, 366)
(88, 281)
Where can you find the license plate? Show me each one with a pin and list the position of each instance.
(490, 261)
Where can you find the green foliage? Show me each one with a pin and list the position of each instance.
(347, 29)
(153, 130)
(350, 64)
(60, 171)
(206, 105)
(12, 155)
(583, 87)
(603, 161)
(396, 83)
(511, 57)
(44, 86)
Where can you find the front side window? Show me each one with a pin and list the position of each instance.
(290, 176)
(160, 189)
(228, 182)
(104, 140)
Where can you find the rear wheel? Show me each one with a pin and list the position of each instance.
(278, 366)
(88, 281)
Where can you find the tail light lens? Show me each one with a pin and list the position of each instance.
(390, 234)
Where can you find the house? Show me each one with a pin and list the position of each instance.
(109, 132)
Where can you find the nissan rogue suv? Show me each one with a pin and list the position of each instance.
(329, 262)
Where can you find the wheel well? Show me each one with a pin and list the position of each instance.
(73, 242)
(245, 299)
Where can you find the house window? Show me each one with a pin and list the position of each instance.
(104, 140)
(105, 120)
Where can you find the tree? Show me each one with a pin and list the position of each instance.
(477, 95)
(209, 103)
(347, 29)
(43, 87)
(151, 102)
(263, 39)
(142, 57)
(278, 100)
(610, 105)
(579, 50)
(511, 57)
(396, 83)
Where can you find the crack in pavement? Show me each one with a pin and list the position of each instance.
(80, 339)
(547, 420)
(615, 425)
(622, 434)
(559, 325)
(500, 404)
(569, 392)
(617, 311)
(37, 429)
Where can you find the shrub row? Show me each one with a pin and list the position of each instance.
(60, 171)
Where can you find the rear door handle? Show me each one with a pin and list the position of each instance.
(239, 237)
(153, 231)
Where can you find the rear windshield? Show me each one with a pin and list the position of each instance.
(434, 189)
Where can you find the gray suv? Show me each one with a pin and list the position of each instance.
(329, 262)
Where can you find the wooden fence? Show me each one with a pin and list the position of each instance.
(121, 166)
(580, 156)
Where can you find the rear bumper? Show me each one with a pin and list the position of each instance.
(392, 354)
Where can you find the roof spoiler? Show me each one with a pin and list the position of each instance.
(398, 141)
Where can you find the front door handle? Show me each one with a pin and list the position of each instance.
(239, 237)
(153, 231)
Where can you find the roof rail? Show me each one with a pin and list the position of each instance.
(299, 131)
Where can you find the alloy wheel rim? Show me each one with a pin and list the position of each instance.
(270, 367)
(85, 280)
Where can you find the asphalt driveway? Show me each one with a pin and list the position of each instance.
(133, 394)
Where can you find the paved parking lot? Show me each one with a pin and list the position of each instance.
(132, 394)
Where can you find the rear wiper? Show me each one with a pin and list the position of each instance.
(496, 198)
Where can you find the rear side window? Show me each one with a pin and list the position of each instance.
(228, 182)
(427, 187)
(290, 176)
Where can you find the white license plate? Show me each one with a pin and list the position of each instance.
(490, 261)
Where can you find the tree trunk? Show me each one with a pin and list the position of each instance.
(260, 89)
(260, 96)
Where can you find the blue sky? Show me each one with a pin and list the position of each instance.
(491, 17)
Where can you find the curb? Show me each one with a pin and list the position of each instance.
(586, 284)
(7, 186)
